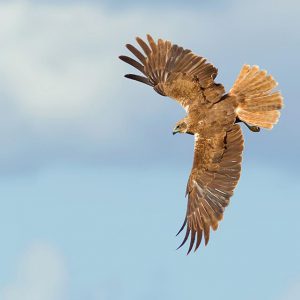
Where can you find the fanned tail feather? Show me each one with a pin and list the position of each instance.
(257, 103)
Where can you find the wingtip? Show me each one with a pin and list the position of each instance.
(148, 35)
(128, 46)
(180, 245)
(190, 248)
(185, 238)
(182, 227)
(206, 241)
(193, 235)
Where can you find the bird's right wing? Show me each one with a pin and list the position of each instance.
(215, 173)
(175, 72)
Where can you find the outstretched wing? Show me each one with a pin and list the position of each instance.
(175, 72)
(215, 173)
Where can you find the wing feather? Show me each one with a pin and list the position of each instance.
(133, 62)
(175, 72)
(144, 46)
(152, 43)
(136, 53)
(138, 78)
(211, 182)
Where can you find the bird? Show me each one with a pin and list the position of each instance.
(213, 117)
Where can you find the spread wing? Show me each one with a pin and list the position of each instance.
(175, 72)
(215, 173)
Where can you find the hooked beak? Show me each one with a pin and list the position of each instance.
(175, 131)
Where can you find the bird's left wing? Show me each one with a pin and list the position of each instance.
(175, 72)
(215, 173)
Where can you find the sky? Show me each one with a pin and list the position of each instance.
(92, 180)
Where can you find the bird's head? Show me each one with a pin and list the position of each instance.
(182, 127)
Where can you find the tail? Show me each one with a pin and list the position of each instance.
(257, 103)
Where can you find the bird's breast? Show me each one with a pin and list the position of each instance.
(212, 119)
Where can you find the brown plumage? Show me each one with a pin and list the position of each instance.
(211, 117)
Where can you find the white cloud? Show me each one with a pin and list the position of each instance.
(53, 58)
(41, 275)
(293, 292)
(61, 83)
(60, 60)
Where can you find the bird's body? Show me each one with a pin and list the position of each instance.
(211, 117)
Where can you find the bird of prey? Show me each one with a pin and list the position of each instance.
(211, 116)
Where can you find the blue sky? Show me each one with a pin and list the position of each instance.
(92, 179)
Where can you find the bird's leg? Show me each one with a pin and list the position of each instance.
(252, 128)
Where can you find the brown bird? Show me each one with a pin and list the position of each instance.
(211, 117)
